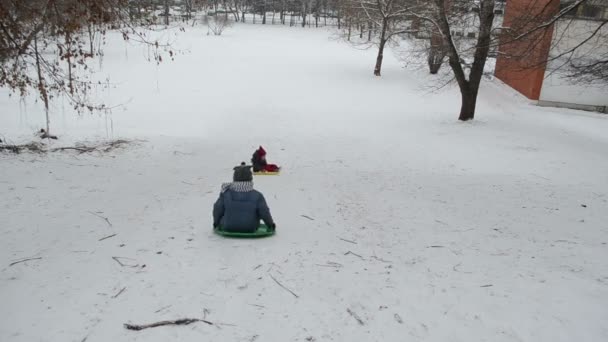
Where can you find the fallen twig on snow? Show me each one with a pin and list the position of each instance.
(435, 246)
(281, 285)
(107, 237)
(163, 308)
(350, 241)
(182, 321)
(355, 254)
(117, 259)
(119, 292)
(24, 260)
(488, 285)
(381, 260)
(308, 217)
(83, 148)
(101, 217)
(16, 149)
(355, 316)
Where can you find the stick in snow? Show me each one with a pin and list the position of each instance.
(381, 260)
(281, 285)
(102, 217)
(350, 241)
(355, 316)
(107, 237)
(163, 308)
(119, 292)
(355, 254)
(489, 285)
(24, 260)
(117, 259)
(308, 217)
(183, 321)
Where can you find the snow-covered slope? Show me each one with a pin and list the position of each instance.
(389, 211)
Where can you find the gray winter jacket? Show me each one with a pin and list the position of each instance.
(240, 208)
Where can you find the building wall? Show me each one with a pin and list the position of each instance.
(568, 34)
(520, 62)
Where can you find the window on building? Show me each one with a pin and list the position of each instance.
(591, 12)
(593, 9)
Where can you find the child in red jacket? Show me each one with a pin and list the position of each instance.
(260, 164)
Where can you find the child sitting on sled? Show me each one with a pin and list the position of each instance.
(260, 164)
(239, 207)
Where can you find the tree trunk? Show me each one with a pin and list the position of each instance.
(91, 39)
(468, 88)
(68, 44)
(378, 67)
(436, 52)
(264, 17)
(469, 101)
(167, 12)
(42, 89)
(304, 13)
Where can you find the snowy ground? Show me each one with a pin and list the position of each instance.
(425, 228)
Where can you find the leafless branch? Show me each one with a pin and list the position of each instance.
(119, 292)
(355, 316)
(24, 260)
(182, 321)
(107, 237)
(281, 285)
(101, 217)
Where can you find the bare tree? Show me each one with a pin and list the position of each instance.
(517, 40)
(42, 47)
(217, 24)
(443, 15)
(388, 16)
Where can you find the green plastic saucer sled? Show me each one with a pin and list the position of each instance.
(262, 231)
